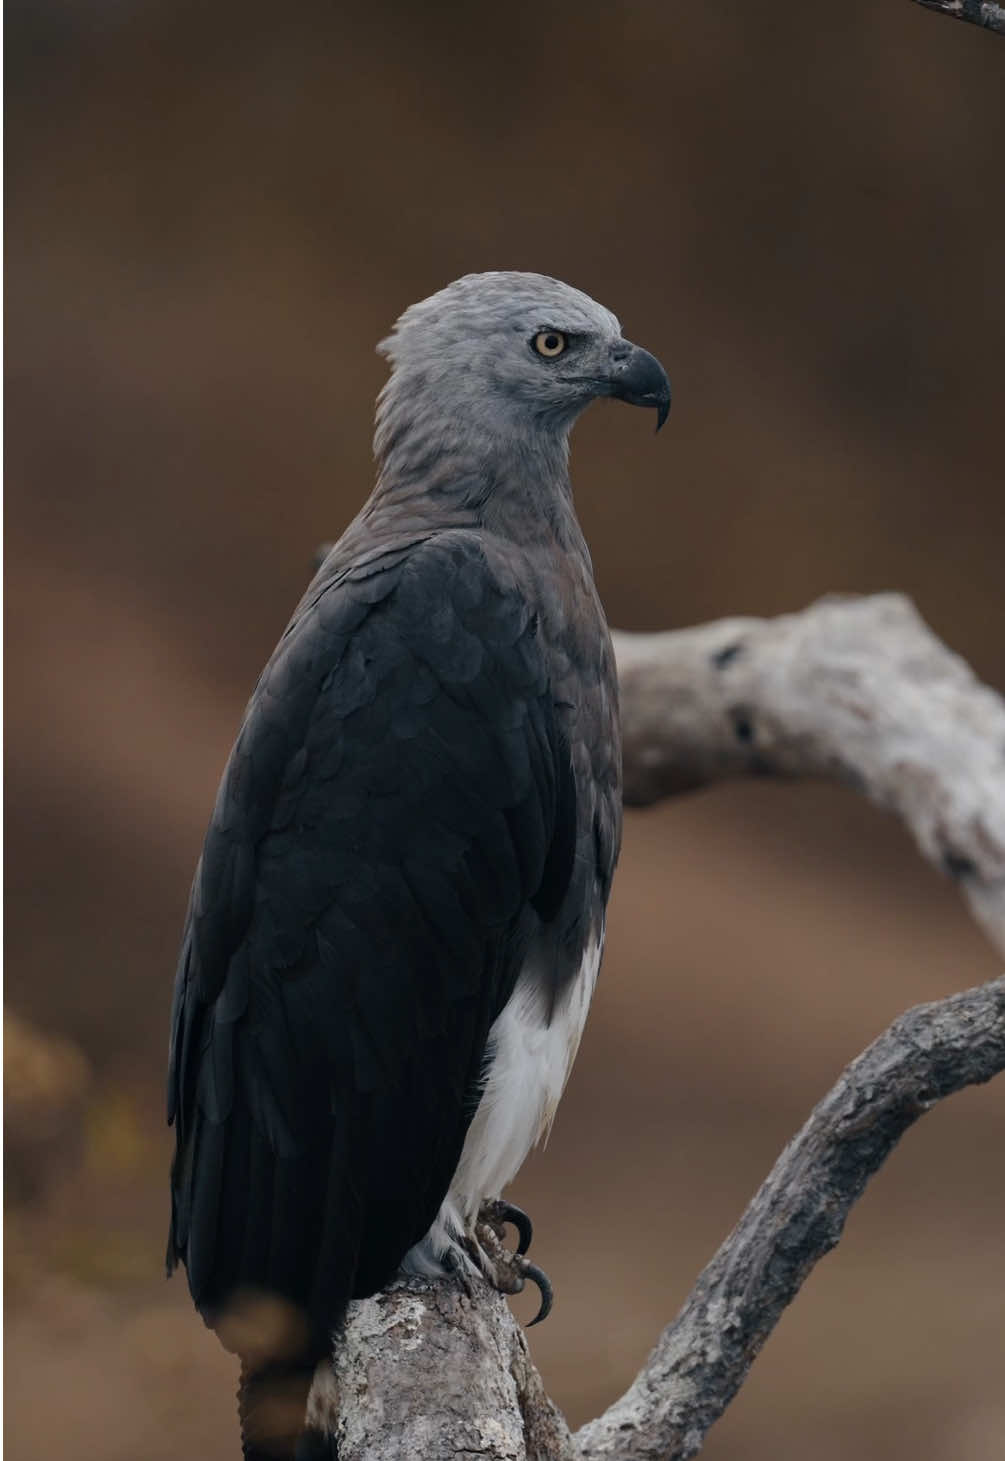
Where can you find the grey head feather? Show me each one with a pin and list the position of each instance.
(470, 396)
(468, 349)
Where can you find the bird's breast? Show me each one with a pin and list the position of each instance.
(528, 1059)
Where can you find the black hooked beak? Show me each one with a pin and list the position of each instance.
(638, 378)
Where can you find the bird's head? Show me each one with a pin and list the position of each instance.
(511, 355)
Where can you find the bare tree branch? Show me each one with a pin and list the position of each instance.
(702, 1358)
(979, 12)
(855, 690)
(430, 1368)
(427, 1369)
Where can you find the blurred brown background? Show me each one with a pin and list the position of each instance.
(213, 214)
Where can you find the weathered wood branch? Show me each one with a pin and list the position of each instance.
(855, 690)
(440, 1370)
(985, 13)
(702, 1358)
(431, 1369)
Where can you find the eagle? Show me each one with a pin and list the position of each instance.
(397, 920)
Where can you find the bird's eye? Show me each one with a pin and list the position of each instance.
(550, 343)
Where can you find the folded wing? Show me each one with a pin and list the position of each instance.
(396, 822)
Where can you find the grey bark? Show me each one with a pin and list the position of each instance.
(431, 1369)
(857, 690)
(702, 1358)
(854, 690)
(436, 1369)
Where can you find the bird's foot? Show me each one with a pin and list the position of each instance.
(460, 1266)
(505, 1270)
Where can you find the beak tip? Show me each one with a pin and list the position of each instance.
(641, 381)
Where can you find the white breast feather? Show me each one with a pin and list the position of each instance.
(528, 1065)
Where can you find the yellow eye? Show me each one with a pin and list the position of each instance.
(550, 343)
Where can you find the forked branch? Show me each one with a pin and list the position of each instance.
(431, 1369)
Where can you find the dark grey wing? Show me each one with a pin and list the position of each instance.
(396, 821)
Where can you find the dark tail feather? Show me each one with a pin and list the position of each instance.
(315, 1447)
(272, 1407)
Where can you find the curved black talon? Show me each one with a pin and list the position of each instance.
(518, 1219)
(536, 1275)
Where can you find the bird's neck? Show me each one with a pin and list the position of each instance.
(460, 473)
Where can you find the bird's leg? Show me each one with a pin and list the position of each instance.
(458, 1268)
(507, 1271)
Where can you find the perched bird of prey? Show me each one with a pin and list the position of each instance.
(397, 920)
